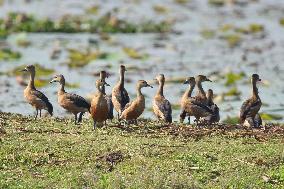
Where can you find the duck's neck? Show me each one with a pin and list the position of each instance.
(138, 91)
(161, 88)
(201, 92)
(62, 88)
(189, 91)
(32, 80)
(254, 90)
(100, 92)
(121, 79)
(103, 87)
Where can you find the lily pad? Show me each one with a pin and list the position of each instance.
(218, 3)
(233, 40)
(93, 9)
(160, 9)
(207, 33)
(281, 21)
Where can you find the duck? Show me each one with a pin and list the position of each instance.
(71, 102)
(161, 106)
(186, 97)
(250, 108)
(33, 96)
(103, 76)
(215, 116)
(197, 106)
(201, 95)
(99, 106)
(119, 94)
(135, 108)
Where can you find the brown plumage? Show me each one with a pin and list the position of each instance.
(119, 95)
(251, 106)
(185, 99)
(161, 106)
(103, 76)
(201, 95)
(215, 116)
(71, 102)
(99, 107)
(34, 97)
(197, 106)
(135, 108)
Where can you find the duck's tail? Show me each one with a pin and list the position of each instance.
(49, 108)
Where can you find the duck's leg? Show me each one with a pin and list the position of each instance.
(36, 114)
(95, 123)
(182, 116)
(80, 117)
(40, 113)
(188, 118)
(75, 119)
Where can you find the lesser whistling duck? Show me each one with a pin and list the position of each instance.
(197, 106)
(103, 76)
(135, 108)
(119, 95)
(215, 116)
(161, 106)
(34, 97)
(201, 95)
(251, 106)
(99, 107)
(71, 102)
(186, 96)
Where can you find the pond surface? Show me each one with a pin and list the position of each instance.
(178, 54)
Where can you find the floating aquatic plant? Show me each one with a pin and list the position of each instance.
(233, 92)
(93, 9)
(133, 53)
(40, 70)
(160, 9)
(269, 117)
(232, 78)
(233, 40)
(231, 120)
(281, 21)
(19, 22)
(80, 59)
(218, 3)
(7, 54)
(208, 33)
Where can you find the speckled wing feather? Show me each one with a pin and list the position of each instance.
(124, 98)
(166, 108)
(78, 101)
(247, 107)
(41, 96)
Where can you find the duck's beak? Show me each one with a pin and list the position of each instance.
(24, 70)
(149, 86)
(186, 82)
(52, 81)
(208, 80)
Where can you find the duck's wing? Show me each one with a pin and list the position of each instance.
(166, 108)
(124, 97)
(78, 100)
(42, 97)
(247, 107)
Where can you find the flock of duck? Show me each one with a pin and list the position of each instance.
(101, 106)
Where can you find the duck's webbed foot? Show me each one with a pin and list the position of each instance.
(36, 114)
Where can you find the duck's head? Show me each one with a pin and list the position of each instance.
(29, 68)
(143, 83)
(103, 74)
(100, 83)
(190, 81)
(58, 78)
(255, 78)
(122, 68)
(160, 78)
(202, 78)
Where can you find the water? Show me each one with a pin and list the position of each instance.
(179, 55)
